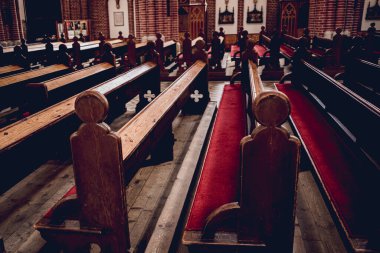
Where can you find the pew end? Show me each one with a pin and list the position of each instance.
(74, 224)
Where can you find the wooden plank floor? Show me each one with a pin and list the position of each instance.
(25, 203)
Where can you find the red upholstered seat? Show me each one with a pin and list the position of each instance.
(354, 191)
(261, 50)
(180, 57)
(218, 183)
(317, 52)
(234, 49)
(287, 51)
(72, 191)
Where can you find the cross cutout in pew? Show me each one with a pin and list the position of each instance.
(149, 95)
(170, 57)
(196, 96)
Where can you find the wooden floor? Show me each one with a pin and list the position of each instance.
(26, 202)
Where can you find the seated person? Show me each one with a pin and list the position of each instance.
(20, 59)
(63, 57)
(120, 37)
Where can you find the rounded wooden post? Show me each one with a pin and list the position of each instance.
(98, 170)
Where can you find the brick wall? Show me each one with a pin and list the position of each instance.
(272, 15)
(10, 27)
(151, 17)
(211, 18)
(327, 15)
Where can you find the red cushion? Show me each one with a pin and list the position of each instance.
(353, 191)
(260, 50)
(218, 183)
(318, 52)
(72, 191)
(288, 51)
(234, 49)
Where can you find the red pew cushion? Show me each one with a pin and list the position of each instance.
(260, 50)
(288, 51)
(72, 191)
(317, 52)
(352, 189)
(234, 49)
(218, 183)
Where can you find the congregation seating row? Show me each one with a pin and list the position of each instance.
(104, 161)
(84, 52)
(13, 87)
(245, 196)
(10, 69)
(363, 78)
(53, 125)
(340, 133)
(320, 49)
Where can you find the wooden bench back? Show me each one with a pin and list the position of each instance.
(266, 40)
(358, 119)
(322, 43)
(363, 72)
(291, 41)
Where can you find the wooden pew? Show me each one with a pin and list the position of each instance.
(53, 125)
(289, 46)
(10, 70)
(180, 59)
(262, 49)
(102, 216)
(320, 46)
(245, 196)
(44, 94)
(363, 78)
(322, 50)
(340, 133)
(11, 86)
(36, 52)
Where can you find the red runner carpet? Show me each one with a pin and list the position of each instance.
(219, 180)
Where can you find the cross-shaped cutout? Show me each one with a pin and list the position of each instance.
(149, 95)
(196, 96)
(170, 57)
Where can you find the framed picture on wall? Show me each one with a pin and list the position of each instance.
(255, 16)
(118, 18)
(74, 28)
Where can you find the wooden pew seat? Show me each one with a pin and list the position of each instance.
(350, 187)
